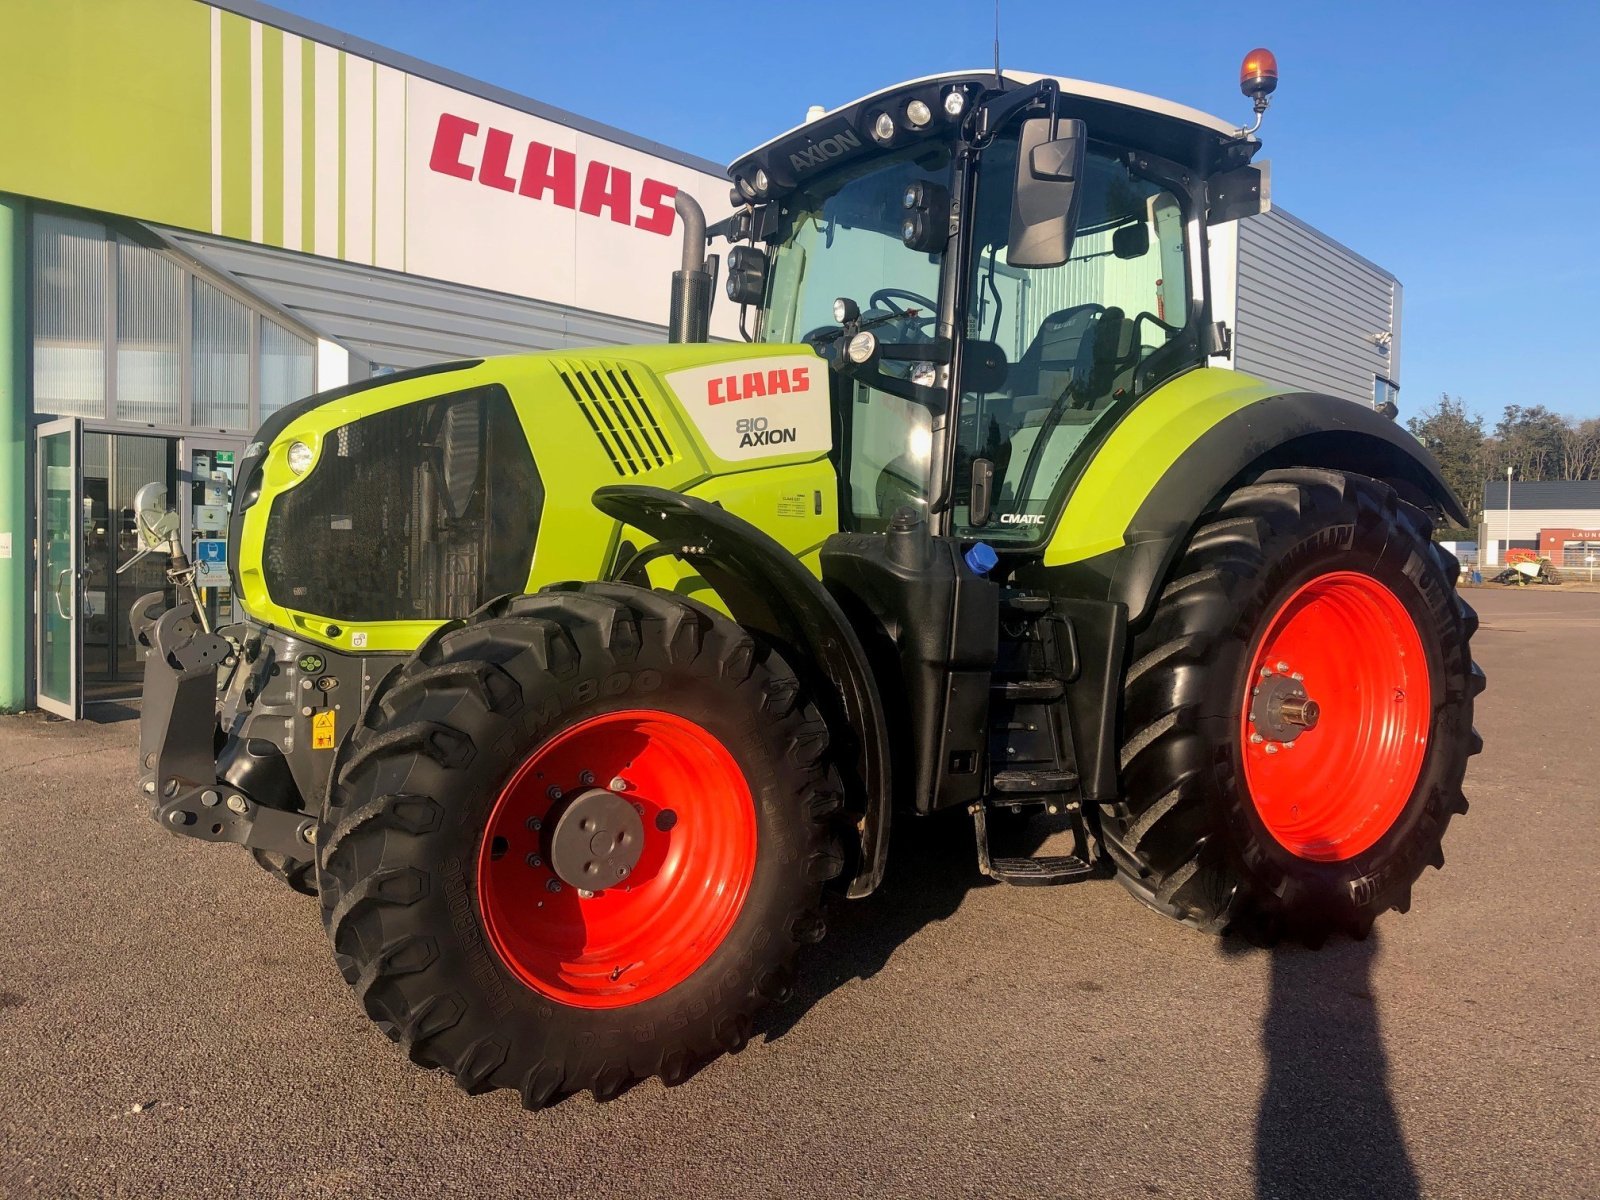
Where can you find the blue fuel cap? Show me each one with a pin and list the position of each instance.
(981, 558)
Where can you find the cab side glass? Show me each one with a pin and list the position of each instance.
(1073, 342)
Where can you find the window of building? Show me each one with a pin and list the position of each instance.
(149, 375)
(221, 358)
(124, 331)
(286, 366)
(1384, 391)
(69, 316)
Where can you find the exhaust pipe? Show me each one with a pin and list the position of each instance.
(690, 317)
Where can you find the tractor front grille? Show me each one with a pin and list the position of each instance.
(415, 513)
(618, 411)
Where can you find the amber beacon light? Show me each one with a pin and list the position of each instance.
(1258, 76)
(1258, 79)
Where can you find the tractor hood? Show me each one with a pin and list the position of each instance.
(370, 511)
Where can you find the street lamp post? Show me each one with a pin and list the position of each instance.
(1504, 557)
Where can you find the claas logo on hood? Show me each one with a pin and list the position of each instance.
(722, 389)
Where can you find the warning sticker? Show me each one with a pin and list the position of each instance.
(322, 730)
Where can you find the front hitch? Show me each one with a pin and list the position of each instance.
(178, 736)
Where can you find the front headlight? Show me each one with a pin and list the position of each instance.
(299, 458)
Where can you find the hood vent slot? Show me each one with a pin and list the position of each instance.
(615, 406)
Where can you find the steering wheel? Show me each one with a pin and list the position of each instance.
(886, 298)
(923, 325)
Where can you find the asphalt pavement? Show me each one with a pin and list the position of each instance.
(171, 1022)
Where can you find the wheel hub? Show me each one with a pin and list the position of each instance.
(597, 840)
(1281, 709)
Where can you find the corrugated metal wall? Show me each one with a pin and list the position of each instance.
(404, 320)
(1527, 522)
(1311, 313)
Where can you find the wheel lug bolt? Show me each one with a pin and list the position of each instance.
(1256, 739)
(619, 784)
(552, 885)
(1272, 747)
(534, 824)
(535, 861)
(553, 792)
(586, 778)
(1266, 672)
(1283, 668)
(585, 894)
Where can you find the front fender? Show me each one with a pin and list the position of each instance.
(768, 589)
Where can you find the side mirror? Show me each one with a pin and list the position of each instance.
(747, 275)
(1044, 206)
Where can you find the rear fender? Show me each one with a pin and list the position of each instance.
(766, 588)
(1266, 432)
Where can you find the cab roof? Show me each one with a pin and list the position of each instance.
(1184, 135)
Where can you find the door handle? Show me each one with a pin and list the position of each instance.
(55, 593)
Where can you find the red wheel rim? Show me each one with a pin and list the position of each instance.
(628, 943)
(1330, 791)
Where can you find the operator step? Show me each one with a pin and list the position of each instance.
(1039, 872)
(1033, 783)
(1028, 691)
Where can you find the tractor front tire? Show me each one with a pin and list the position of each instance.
(1297, 714)
(578, 841)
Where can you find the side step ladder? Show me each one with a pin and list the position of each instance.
(1020, 870)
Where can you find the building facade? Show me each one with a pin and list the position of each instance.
(1559, 519)
(209, 210)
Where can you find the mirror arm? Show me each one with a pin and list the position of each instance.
(1000, 110)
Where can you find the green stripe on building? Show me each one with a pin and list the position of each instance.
(272, 134)
(235, 126)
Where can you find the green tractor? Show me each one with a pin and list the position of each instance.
(577, 685)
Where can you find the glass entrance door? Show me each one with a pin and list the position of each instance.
(113, 467)
(60, 510)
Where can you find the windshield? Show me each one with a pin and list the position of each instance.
(840, 236)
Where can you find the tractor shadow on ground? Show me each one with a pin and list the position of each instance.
(932, 867)
(1326, 1123)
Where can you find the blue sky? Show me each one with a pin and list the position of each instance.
(1456, 144)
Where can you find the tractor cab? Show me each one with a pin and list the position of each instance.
(995, 268)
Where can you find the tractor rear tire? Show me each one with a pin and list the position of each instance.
(1244, 811)
(455, 884)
